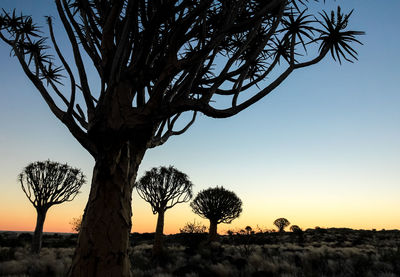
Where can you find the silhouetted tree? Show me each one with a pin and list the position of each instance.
(163, 188)
(46, 184)
(295, 229)
(281, 223)
(157, 61)
(249, 230)
(217, 205)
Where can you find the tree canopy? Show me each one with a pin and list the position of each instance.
(49, 183)
(281, 223)
(164, 187)
(157, 60)
(217, 204)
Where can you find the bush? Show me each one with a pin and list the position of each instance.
(7, 254)
(50, 262)
(195, 227)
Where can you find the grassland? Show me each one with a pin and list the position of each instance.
(314, 252)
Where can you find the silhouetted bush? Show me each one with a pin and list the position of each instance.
(191, 241)
(7, 254)
(25, 237)
(193, 227)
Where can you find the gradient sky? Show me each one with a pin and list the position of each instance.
(322, 150)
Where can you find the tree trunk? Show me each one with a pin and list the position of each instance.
(158, 238)
(103, 241)
(38, 234)
(212, 234)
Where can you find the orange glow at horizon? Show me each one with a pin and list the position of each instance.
(18, 214)
(59, 221)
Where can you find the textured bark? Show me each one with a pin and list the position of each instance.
(104, 237)
(38, 234)
(212, 235)
(158, 238)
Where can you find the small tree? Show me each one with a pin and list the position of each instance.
(46, 184)
(249, 230)
(296, 229)
(281, 223)
(218, 205)
(163, 188)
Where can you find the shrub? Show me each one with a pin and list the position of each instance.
(195, 227)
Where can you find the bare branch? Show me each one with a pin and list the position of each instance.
(78, 60)
(160, 138)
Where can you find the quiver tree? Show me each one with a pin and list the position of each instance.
(281, 223)
(155, 62)
(46, 184)
(249, 230)
(163, 188)
(296, 229)
(217, 205)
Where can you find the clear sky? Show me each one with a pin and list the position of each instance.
(322, 150)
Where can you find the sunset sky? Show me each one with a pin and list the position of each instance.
(322, 150)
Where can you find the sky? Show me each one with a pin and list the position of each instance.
(322, 150)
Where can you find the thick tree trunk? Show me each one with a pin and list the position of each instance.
(158, 238)
(104, 237)
(212, 234)
(38, 234)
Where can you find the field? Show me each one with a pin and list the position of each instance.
(314, 252)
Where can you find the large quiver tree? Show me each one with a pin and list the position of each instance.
(217, 205)
(163, 188)
(156, 61)
(46, 184)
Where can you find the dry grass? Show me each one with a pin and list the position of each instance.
(316, 253)
(51, 262)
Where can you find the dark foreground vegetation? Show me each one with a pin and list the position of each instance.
(314, 252)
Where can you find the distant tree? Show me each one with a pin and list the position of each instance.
(76, 224)
(249, 230)
(281, 223)
(157, 64)
(193, 228)
(295, 229)
(46, 184)
(218, 205)
(163, 188)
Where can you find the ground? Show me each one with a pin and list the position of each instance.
(314, 252)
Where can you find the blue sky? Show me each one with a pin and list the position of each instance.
(322, 149)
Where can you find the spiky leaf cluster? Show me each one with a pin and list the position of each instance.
(217, 204)
(29, 45)
(334, 37)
